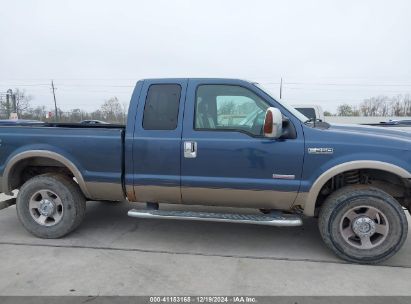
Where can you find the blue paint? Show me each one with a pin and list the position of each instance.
(225, 159)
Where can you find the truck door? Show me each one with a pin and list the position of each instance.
(226, 160)
(157, 141)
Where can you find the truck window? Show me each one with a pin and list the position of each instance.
(161, 108)
(308, 112)
(229, 107)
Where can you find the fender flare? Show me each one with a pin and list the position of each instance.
(311, 197)
(45, 154)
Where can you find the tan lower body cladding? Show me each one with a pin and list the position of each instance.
(105, 191)
(266, 199)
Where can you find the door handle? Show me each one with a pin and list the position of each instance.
(190, 149)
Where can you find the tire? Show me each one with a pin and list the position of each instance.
(362, 224)
(50, 205)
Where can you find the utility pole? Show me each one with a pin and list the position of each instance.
(14, 103)
(55, 102)
(281, 87)
(8, 95)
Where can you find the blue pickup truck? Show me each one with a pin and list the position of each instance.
(216, 142)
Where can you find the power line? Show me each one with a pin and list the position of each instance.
(386, 84)
(98, 85)
(24, 85)
(341, 84)
(68, 85)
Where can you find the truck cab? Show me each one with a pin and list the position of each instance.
(195, 145)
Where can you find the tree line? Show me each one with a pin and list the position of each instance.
(111, 110)
(399, 105)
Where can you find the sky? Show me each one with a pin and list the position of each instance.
(327, 52)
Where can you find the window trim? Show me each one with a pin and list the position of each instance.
(145, 104)
(222, 129)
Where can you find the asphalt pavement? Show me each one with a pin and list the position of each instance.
(113, 254)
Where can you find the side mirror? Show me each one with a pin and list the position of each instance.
(273, 123)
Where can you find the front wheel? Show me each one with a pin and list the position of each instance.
(50, 205)
(363, 224)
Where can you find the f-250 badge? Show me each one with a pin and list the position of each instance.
(320, 150)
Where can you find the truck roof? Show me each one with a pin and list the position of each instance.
(196, 78)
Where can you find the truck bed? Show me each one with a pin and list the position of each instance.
(97, 155)
(69, 125)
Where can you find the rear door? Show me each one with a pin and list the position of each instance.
(157, 141)
(226, 159)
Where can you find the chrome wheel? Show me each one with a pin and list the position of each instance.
(364, 227)
(46, 208)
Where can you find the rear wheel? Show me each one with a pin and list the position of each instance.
(50, 205)
(363, 224)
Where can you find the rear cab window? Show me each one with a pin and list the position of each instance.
(161, 107)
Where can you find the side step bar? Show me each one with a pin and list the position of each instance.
(272, 219)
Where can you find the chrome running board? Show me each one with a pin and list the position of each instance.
(272, 219)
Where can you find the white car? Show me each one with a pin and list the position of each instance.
(310, 111)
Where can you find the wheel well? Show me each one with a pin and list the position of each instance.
(27, 168)
(394, 185)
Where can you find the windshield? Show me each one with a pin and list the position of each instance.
(291, 109)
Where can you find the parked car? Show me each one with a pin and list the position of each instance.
(174, 149)
(13, 122)
(93, 122)
(404, 125)
(314, 112)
